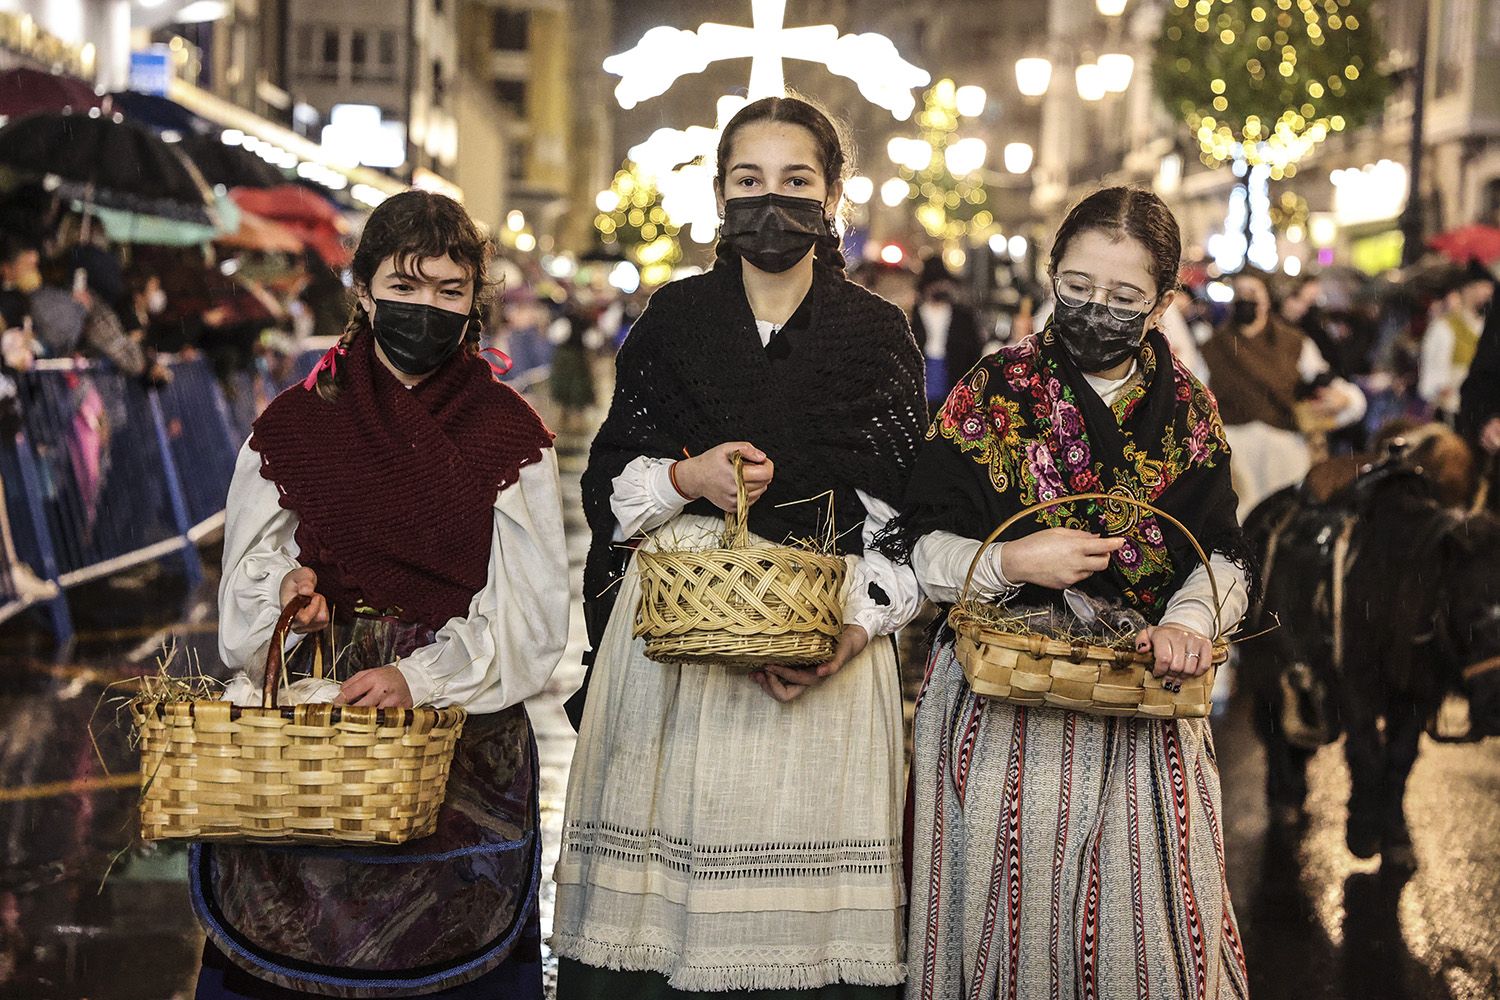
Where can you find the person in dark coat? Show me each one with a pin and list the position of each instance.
(1479, 407)
(947, 331)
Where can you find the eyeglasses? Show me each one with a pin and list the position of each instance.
(1076, 289)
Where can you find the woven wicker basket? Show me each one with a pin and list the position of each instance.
(1026, 668)
(319, 774)
(740, 605)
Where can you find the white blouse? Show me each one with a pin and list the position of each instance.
(941, 560)
(501, 653)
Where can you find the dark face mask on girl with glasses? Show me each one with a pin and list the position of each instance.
(1094, 334)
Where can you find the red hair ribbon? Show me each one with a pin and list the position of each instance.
(498, 367)
(330, 361)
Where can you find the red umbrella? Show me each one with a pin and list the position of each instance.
(1473, 242)
(260, 234)
(27, 91)
(313, 219)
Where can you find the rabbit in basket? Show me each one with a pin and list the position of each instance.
(244, 688)
(1086, 617)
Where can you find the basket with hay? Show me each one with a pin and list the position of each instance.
(1014, 657)
(742, 604)
(308, 773)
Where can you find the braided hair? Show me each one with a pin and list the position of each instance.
(831, 142)
(414, 226)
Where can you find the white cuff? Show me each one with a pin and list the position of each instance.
(418, 681)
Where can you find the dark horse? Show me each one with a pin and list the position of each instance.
(1387, 600)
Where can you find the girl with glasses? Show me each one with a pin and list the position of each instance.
(1057, 853)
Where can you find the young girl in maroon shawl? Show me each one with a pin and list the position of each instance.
(414, 498)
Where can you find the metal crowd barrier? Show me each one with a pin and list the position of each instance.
(107, 473)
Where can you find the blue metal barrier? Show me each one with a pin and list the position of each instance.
(30, 537)
(203, 438)
(109, 472)
(100, 462)
(239, 392)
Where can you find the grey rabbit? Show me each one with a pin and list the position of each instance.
(1106, 619)
(1084, 617)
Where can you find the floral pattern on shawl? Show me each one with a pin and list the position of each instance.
(1027, 429)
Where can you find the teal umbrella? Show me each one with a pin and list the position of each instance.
(139, 228)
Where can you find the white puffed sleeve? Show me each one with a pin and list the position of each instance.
(883, 596)
(259, 550)
(1193, 604)
(941, 560)
(507, 646)
(642, 497)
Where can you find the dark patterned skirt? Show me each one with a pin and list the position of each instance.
(423, 918)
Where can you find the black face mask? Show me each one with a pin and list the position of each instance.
(417, 338)
(1245, 311)
(1094, 339)
(772, 231)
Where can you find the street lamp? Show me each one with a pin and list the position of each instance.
(1111, 8)
(858, 189)
(894, 191)
(1090, 80)
(1117, 68)
(965, 156)
(1033, 76)
(971, 101)
(1018, 157)
(913, 154)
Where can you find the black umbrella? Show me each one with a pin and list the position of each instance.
(108, 161)
(159, 113)
(231, 166)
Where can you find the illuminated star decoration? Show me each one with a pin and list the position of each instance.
(664, 54)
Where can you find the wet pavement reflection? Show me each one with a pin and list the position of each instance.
(84, 912)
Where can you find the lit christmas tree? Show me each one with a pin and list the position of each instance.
(943, 170)
(1265, 81)
(631, 217)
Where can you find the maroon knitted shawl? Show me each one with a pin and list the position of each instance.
(394, 488)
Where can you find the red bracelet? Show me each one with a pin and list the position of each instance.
(672, 474)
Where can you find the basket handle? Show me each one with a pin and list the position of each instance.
(276, 655)
(1035, 508)
(736, 524)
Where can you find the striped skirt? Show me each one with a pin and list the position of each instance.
(1060, 855)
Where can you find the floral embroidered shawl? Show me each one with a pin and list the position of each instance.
(1024, 426)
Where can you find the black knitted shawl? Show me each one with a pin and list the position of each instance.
(839, 407)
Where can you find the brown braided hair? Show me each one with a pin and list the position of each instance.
(414, 226)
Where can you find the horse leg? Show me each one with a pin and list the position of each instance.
(1366, 755)
(1286, 766)
(1403, 735)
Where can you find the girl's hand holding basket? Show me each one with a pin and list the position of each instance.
(711, 475)
(303, 582)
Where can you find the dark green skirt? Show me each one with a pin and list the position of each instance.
(576, 981)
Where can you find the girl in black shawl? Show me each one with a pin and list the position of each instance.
(1094, 840)
(723, 831)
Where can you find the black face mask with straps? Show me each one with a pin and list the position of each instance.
(773, 231)
(1095, 340)
(415, 337)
